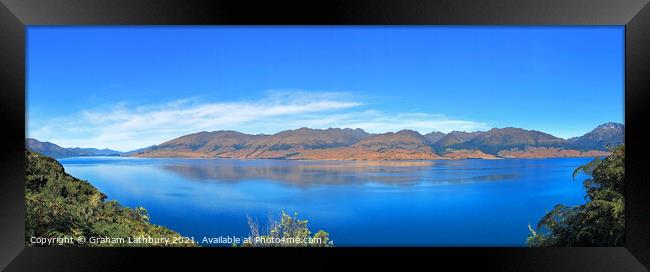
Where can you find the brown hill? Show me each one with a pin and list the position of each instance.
(311, 138)
(232, 144)
(202, 144)
(287, 144)
(498, 139)
(453, 138)
(434, 137)
(403, 139)
(402, 145)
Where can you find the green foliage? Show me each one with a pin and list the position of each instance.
(599, 222)
(289, 232)
(60, 205)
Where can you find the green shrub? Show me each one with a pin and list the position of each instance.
(599, 222)
(60, 205)
(288, 232)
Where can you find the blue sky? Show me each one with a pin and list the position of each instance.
(130, 87)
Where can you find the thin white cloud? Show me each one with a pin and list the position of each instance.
(126, 127)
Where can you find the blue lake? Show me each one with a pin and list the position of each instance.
(401, 203)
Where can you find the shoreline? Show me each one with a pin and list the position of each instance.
(334, 160)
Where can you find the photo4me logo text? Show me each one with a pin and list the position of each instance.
(148, 240)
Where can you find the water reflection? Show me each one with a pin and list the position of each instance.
(305, 173)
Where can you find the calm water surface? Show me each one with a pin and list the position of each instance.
(434, 203)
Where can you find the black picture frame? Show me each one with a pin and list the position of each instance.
(15, 15)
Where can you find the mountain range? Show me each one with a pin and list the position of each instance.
(356, 144)
(55, 151)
